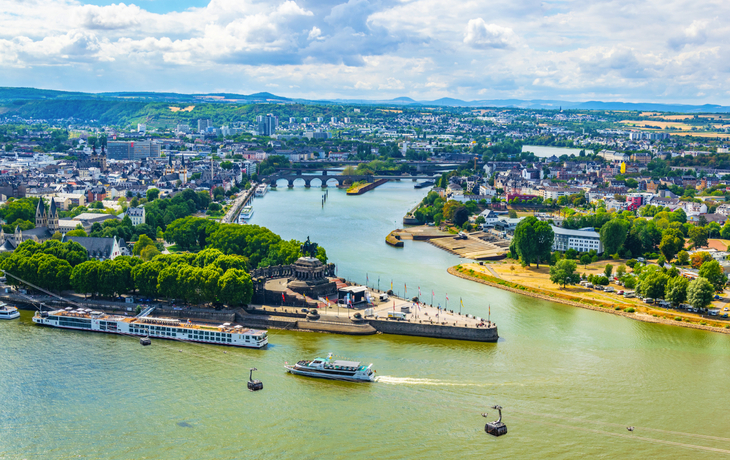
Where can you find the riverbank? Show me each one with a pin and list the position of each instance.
(640, 314)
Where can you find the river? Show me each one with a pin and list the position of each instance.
(544, 151)
(570, 380)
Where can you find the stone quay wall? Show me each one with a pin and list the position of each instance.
(435, 330)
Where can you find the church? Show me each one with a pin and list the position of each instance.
(46, 224)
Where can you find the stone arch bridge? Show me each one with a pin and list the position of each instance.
(325, 180)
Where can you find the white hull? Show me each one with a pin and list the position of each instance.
(12, 315)
(322, 375)
(117, 325)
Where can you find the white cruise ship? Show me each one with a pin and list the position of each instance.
(8, 312)
(261, 190)
(161, 328)
(246, 213)
(333, 369)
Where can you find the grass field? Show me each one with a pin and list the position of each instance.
(703, 134)
(660, 124)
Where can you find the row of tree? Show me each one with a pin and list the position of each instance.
(259, 245)
(653, 281)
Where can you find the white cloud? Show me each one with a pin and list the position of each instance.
(370, 48)
(315, 34)
(481, 35)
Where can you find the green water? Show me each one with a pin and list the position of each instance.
(570, 379)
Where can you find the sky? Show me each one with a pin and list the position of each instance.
(667, 51)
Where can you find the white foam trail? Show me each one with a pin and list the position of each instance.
(411, 381)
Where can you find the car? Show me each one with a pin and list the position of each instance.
(725, 309)
(304, 310)
(717, 297)
(684, 306)
(619, 292)
(648, 300)
(724, 315)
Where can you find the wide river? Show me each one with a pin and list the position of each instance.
(570, 380)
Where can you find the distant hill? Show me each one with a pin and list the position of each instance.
(33, 94)
(154, 107)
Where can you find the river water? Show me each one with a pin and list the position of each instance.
(545, 151)
(570, 380)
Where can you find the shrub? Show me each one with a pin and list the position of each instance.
(703, 323)
(727, 326)
(617, 308)
(631, 310)
(677, 318)
(653, 314)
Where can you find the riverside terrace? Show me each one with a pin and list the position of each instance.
(426, 322)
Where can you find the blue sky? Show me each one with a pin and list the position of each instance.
(610, 50)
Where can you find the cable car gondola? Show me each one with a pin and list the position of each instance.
(254, 385)
(496, 428)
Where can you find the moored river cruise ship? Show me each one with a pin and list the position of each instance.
(161, 328)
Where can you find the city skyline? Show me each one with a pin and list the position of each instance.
(524, 49)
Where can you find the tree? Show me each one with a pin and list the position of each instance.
(698, 258)
(676, 290)
(652, 282)
(585, 259)
(77, 232)
(149, 253)
(608, 270)
(672, 242)
(235, 287)
(725, 232)
(683, 258)
(563, 272)
(629, 282)
(713, 272)
(85, 277)
(152, 194)
(698, 236)
(700, 292)
(620, 271)
(533, 240)
(127, 222)
(613, 234)
(145, 277)
(143, 242)
(512, 214)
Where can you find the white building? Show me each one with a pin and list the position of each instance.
(490, 218)
(141, 128)
(582, 240)
(136, 215)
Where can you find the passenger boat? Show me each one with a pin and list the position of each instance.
(333, 369)
(8, 312)
(261, 190)
(246, 212)
(161, 328)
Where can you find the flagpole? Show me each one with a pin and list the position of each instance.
(461, 303)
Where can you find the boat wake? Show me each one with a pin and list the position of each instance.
(411, 381)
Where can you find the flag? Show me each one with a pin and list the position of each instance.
(462, 301)
(367, 278)
(419, 291)
(432, 293)
(391, 285)
(283, 299)
(405, 289)
(447, 296)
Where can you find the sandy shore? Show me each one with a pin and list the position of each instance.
(527, 291)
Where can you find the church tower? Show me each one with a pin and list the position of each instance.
(53, 217)
(102, 159)
(40, 215)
